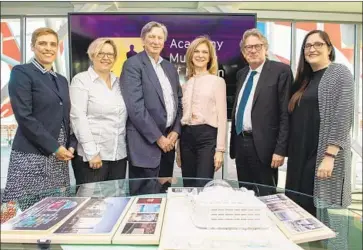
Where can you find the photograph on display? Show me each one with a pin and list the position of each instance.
(97, 216)
(283, 205)
(290, 214)
(143, 222)
(148, 208)
(149, 201)
(139, 228)
(44, 215)
(144, 217)
(303, 226)
(273, 198)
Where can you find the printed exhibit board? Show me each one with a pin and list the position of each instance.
(88, 221)
(143, 222)
(296, 223)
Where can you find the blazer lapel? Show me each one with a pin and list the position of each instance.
(54, 85)
(60, 90)
(261, 81)
(153, 77)
(48, 81)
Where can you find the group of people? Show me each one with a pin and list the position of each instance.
(147, 119)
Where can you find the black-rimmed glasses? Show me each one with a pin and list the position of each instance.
(317, 45)
(257, 47)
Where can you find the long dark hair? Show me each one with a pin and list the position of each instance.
(304, 70)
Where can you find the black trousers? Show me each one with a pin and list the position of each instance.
(167, 164)
(110, 170)
(260, 177)
(197, 149)
(167, 160)
(145, 181)
(303, 192)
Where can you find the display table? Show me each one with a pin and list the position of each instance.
(343, 221)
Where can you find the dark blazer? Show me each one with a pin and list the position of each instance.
(145, 105)
(39, 109)
(270, 118)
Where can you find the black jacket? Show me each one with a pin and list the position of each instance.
(269, 115)
(40, 108)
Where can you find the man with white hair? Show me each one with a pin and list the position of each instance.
(152, 93)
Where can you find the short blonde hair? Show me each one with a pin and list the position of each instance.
(253, 32)
(41, 32)
(212, 65)
(95, 47)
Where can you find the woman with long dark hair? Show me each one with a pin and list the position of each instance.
(321, 107)
(319, 157)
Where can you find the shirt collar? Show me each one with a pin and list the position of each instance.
(153, 60)
(41, 67)
(94, 76)
(259, 68)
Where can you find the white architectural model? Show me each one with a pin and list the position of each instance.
(222, 207)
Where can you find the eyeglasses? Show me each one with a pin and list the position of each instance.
(109, 55)
(249, 48)
(317, 45)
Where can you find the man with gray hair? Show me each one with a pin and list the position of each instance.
(260, 119)
(152, 93)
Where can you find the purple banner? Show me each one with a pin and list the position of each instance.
(224, 30)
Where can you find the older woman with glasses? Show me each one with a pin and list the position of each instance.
(98, 117)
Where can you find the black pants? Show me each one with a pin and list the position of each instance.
(167, 160)
(197, 149)
(145, 181)
(167, 164)
(110, 170)
(302, 190)
(260, 177)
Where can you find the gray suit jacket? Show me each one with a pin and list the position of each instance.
(145, 105)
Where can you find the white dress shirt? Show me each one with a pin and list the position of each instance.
(247, 121)
(98, 116)
(168, 93)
